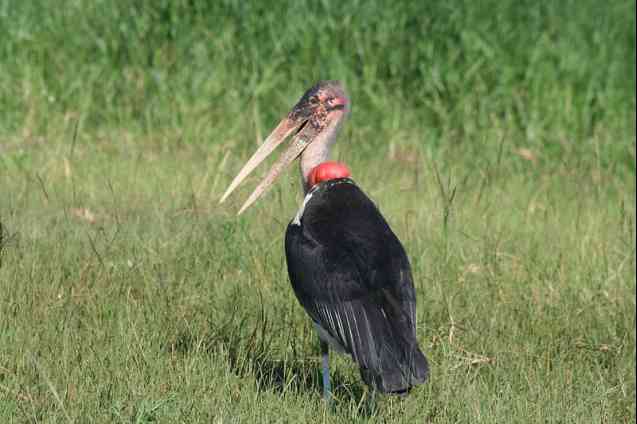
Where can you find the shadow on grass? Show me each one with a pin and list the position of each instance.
(252, 355)
(304, 375)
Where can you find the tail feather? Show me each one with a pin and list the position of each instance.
(397, 375)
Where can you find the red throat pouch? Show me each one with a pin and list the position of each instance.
(328, 171)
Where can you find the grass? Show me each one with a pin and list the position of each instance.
(497, 138)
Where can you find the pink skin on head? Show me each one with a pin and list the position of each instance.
(327, 171)
(339, 101)
(334, 102)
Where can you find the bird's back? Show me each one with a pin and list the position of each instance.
(351, 274)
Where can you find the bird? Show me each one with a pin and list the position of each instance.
(347, 268)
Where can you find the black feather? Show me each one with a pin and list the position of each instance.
(352, 276)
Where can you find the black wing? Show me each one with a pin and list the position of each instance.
(352, 276)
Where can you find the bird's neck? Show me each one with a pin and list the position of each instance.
(318, 151)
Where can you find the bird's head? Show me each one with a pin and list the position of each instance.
(320, 105)
(313, 123)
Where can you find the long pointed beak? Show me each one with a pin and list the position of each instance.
(296, 148)
(281, 132)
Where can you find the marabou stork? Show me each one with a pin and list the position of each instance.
(348, 269)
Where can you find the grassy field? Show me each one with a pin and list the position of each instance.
(497, 138)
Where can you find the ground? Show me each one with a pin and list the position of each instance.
(497, 138)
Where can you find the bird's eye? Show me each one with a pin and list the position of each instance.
(314, 100)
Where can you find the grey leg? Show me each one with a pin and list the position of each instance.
(325, 358)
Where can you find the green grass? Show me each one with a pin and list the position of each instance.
(497, 137)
